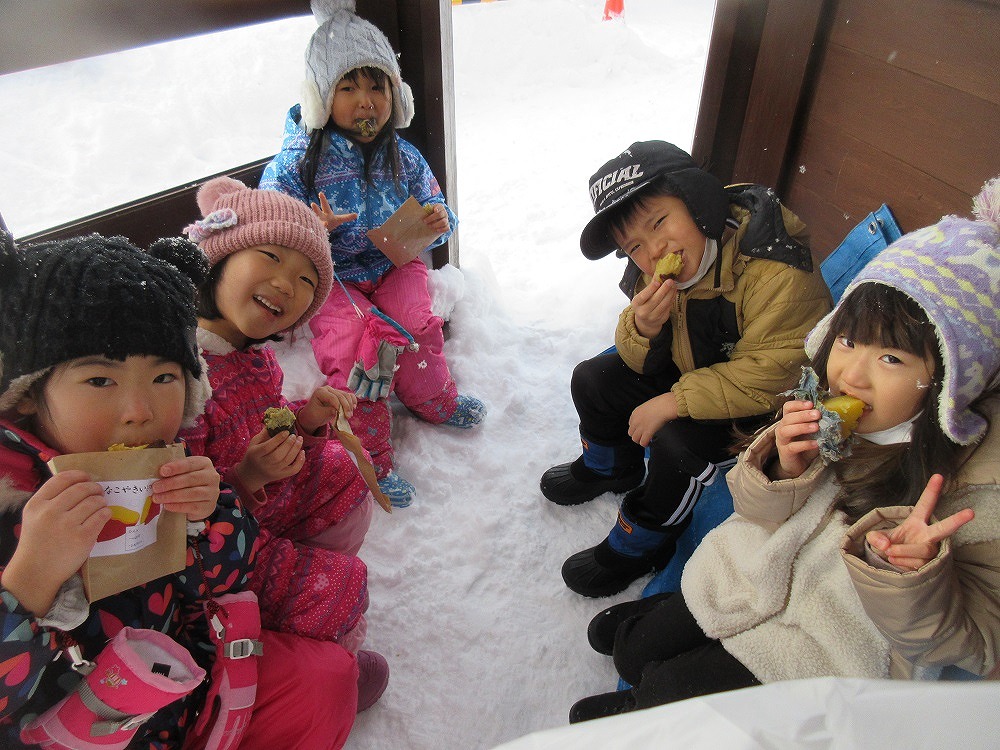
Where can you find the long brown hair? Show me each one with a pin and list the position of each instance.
(873, 475)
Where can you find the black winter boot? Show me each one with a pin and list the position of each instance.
(599, 706)
(629, 552)
(602, 629)
(600, 571)
(574, 483)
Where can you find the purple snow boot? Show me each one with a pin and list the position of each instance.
(373, 677)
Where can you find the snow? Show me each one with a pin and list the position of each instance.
(484, 641)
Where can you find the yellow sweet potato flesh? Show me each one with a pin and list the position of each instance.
(669, 265)
(277, 419)
(849, 409)
(124, 515)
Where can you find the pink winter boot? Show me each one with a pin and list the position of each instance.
(137, 673)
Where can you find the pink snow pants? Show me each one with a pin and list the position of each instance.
(423, 382)
(307, 695)
(310, 591)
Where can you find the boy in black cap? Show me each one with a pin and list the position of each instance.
(699, 350)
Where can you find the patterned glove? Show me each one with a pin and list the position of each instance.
(382, 341)
(234, 621)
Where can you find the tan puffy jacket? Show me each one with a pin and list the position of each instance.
(771, 582)
(768, 582)
(775, 306)
(948, 612)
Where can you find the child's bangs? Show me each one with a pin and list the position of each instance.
(376, 75)
(620, 218)
(880, 315)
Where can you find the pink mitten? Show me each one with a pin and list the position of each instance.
(234, 621)
(137, 673)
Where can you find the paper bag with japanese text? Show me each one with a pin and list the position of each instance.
(142, 541)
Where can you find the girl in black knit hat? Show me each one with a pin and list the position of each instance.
(97, 348)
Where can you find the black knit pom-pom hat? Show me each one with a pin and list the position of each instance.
(96, 295)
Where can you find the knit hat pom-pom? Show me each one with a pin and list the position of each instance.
(211, 191)
(324, 10)
(986, 205)
(184, 255)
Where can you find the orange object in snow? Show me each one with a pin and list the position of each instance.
(613, 9)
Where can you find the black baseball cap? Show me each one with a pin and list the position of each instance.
(635, 168)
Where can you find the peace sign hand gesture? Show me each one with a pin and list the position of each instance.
(915, 542)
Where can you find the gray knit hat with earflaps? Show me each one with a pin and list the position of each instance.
(342, 43)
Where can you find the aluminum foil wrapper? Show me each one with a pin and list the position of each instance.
(832, 447)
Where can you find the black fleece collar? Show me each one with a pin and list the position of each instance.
(766, 236)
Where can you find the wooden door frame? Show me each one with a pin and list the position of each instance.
(760, 59)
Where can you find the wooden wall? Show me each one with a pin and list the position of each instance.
(853, 103)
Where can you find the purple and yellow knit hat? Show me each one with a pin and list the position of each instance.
(952, 270)
(237, 217)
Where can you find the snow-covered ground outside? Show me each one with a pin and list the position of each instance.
(484, 641)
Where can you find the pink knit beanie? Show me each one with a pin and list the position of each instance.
(238, 217)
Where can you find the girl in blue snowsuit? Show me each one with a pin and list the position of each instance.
(341, 154)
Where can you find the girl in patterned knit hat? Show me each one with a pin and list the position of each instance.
(270, 272)
(341, 154)
(878, 561)
(97, 348)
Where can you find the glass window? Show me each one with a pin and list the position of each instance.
(84, 136)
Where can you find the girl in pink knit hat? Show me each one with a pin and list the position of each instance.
(270, 271)
(341, 153)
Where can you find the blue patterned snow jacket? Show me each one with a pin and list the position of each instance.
(31, 682)
(341, 177)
